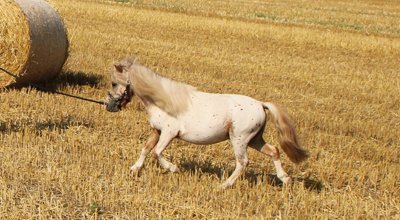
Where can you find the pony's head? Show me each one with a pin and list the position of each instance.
(121, 91)
(130, 78)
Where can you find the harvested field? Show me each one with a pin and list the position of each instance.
(334, 65)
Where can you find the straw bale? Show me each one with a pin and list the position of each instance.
(34, 42)
(14, 39)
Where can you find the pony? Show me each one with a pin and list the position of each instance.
(179, 110)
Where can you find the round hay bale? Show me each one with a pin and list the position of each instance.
(33, 41)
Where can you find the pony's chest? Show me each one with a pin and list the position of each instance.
(160, 120)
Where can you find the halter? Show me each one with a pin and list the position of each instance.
(120, 100)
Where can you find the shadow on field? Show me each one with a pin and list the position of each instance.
(66, 78)
(253, 177)
(72, 78)
(59, 125)
(310, 184)
(39, 126)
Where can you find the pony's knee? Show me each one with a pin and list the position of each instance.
(155, 154)
(243, 162)
(271, 151)
(157, 151)
(275, 153)
(153, 139)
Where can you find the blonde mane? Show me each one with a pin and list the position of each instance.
(171, 96)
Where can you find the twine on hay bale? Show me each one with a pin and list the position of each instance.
(33, 41)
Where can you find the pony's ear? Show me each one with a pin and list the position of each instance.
(119, 67)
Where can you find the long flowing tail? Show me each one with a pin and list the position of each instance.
(287, 134)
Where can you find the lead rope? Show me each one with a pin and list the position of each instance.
(54, 91)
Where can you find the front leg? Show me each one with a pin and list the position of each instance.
(151, 142)
(165, 138)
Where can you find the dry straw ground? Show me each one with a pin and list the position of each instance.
(333, 64)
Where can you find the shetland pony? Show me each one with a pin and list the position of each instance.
(178, 110)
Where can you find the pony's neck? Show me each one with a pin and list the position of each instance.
(152, 89)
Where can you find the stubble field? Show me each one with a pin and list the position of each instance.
(334, 65)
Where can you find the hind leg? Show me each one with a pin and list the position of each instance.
(260, 145)
(240, 148)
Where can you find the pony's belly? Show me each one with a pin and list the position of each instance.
(202, 137)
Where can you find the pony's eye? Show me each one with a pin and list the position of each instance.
(113, 84)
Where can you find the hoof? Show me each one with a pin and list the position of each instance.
(174, 169)
(135, 169)
(286, 180)
(224, 186)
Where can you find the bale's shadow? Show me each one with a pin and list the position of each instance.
(251, 176)
(79, 78)
(65, 79)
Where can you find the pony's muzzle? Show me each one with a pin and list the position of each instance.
(113, 105)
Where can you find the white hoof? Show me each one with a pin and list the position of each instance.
(135, 169)
(286, 180)
(222, 186)
(174, 169)
(225, 185)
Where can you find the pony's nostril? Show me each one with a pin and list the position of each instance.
(112, 109)
(111, 106)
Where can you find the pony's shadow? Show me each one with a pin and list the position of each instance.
(251, 176)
